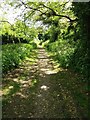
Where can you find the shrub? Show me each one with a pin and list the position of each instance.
(62, 51)
(13, 54)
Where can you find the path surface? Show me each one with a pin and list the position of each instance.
(40, 92)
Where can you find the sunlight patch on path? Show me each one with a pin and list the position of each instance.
(44, 87)
(41, 92)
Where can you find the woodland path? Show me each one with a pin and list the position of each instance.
(39, 91)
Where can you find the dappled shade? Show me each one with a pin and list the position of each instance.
(45, 58)
(41, 89)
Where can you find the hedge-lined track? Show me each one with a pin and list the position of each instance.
(43, 90)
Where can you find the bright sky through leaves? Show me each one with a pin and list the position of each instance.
(9, 13)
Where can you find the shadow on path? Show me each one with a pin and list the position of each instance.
(40, 90)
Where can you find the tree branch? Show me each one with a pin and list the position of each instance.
(9, 24)
(26, 6)
(5, 21)
(55, 14)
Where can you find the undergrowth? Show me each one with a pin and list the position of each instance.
(14, 54)
(62, 52)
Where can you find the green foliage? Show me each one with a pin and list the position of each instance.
(54, 31)
(6, 39)
(16, 33)
(74, 50)
(24, 31)
(68, 39)
(78, 59)
(14, 54)
(82, 53)
(34, 45)
(62, 51)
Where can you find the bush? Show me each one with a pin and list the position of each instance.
(34, 45)
(13, 54)
(62, 51)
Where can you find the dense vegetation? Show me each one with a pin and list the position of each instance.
(18, 32)
(14, 54)
(69, 42)
(81, 54)
(66, 31)
(17, 40)
(63, 29)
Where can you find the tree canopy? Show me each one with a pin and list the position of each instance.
(56, 22)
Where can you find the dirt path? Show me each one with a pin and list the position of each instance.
(37, 91)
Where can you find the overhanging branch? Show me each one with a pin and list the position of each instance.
(53, 12)
(5, 21)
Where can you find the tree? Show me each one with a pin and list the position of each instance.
(82, 53)
(64, 20)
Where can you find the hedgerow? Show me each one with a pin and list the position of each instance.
(14, 54)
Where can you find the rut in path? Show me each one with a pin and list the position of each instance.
(45, 98)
